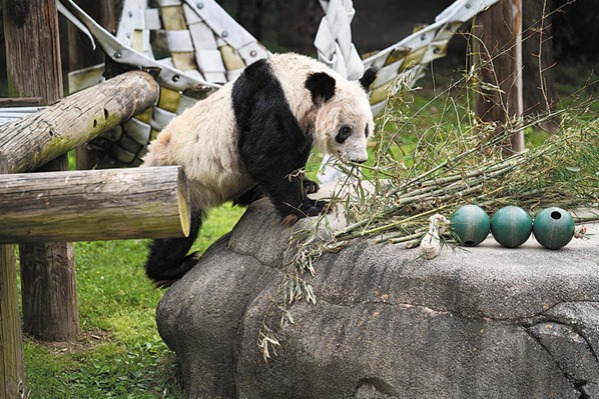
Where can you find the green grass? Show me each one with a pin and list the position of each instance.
(119, 354)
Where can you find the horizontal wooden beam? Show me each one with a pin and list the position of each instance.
(38, 138)
(21, 102)
(94, 205)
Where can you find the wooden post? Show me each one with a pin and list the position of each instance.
(81, 55)
(12, 381)
(34, 69)
(499, 34)
(90, 205)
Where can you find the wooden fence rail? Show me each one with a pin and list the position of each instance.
(93, 205)
(38, 138)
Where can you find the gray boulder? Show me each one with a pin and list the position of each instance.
(487, 322)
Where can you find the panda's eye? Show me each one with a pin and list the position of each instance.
(343, 134)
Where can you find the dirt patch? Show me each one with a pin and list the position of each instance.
(86, 341)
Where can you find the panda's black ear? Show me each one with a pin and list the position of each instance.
(321, 86)
(368, 77)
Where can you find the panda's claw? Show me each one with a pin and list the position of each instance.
(309, 186)
(290, 220)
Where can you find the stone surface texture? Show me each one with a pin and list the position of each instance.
(486, 322)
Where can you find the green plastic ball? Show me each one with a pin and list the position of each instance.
(511, 226)
(471, 224)
(553, 228)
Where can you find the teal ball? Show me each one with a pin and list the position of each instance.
(511, 226)
(553, 228)
(471, 224)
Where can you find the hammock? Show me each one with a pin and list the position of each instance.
(196, 44)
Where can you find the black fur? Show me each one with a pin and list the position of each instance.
(272, 145)
(248, 197)
(254, 194)
(368, 77)
(168, 260)
(344, 132)
(273, 149)
(321, 86)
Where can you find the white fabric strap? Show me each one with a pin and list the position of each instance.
(132, 18)
(228, 29)
(334, 45)
(333, 40)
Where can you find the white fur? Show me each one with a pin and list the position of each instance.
(350, 105)
(203, 138)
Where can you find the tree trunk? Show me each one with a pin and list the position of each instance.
(499, 30)
(94, 205)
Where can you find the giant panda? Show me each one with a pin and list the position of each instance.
(254, 135)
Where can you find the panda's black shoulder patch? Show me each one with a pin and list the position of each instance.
(271, 143)
(256, 91)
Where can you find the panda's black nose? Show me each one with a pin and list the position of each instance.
(358, 160)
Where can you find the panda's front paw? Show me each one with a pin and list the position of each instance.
(316, 208)
(309, 186)
(310, 208)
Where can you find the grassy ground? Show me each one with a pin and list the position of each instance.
(119, 353)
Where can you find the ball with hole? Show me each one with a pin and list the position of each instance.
(511, 226)
(471, 224)
(553, 228)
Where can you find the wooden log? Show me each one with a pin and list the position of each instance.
(94, 205)
(49, 291)
(33, 45)
(41, 137)
(11, 356)
(499, 32)
(32, 49)
(34, 69)
(49, 284)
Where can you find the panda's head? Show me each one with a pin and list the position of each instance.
(343, 117)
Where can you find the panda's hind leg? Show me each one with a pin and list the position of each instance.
(168, 260)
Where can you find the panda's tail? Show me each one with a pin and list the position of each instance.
(168, 260)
